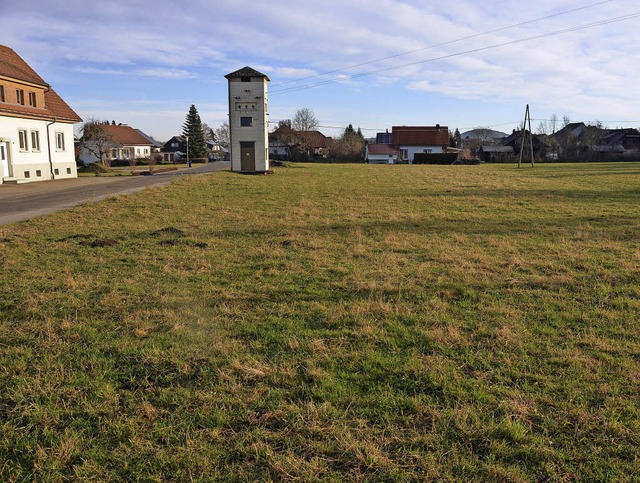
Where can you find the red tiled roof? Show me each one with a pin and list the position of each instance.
(420, 135)
(126, 135)
(314, 138)
(60, 109)
(14, 67)
(382, 149)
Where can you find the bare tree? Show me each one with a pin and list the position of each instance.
(222, 134)
(95, 140)
(209, 133)
(304, 122)
(349, 146)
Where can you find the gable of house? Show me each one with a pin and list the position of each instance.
(37, 100)
(176, 143)
(36, 125)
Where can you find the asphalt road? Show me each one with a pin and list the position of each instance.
(29, 200)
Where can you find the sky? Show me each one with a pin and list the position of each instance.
(370, 63)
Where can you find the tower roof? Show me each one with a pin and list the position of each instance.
(246, 72)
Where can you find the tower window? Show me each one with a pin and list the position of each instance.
(245, 79)
(246, 121)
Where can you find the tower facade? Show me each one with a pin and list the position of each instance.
(248, 124)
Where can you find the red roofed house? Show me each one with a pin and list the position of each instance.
(381, 153)
(36, 125)
(411, 140)
(125, 143)
(405, 142)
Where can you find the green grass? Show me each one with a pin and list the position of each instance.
(329, 323)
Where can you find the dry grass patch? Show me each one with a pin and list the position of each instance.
(329, 323)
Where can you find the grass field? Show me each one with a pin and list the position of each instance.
(329, 323)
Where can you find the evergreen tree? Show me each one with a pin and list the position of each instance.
(455, 138)
(193, 128)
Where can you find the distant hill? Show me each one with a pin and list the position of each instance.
(481, 133)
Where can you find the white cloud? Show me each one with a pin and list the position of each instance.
(590, 72)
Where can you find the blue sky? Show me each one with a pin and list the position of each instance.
(145, 62)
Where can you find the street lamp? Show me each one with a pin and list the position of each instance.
(188, 160)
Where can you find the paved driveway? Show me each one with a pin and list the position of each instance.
(26, 201)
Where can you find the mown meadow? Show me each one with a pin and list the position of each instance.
(329, 323)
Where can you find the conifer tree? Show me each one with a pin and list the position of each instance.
(193, 128)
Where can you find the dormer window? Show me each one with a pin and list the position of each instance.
(1, 93)
(20, 96)
(32, 99)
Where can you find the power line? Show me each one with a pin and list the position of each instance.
(469, 37)
(457, 54)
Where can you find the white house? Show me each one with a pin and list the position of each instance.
(122, 143)
(248, 126)
(36, 125)
(412, 140)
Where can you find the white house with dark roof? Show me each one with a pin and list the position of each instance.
(36, 125)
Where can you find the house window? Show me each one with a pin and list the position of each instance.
(32, 99)
(428, 151)
(27, 174)
(59, 141)
(1, 93)
(245, 79)
(56, 171)
(68, 170)
(35, 141)
(246, 121)
(20, 96)
(38, 173)
(24, 143)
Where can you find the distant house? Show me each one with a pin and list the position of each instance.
(621, 142)
(125, 144)
(493, 154)
(285, 142)
(515, 139)
(412, 144)
(156, 146)
(36, 125)
(217, 152)
(174, 149)
(412, 140)
(582, 142)
(377, 153)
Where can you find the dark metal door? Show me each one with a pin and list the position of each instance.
(248, 156)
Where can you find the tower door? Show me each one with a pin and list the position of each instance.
(247, 156)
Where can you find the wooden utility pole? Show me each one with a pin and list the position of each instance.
(527, 119)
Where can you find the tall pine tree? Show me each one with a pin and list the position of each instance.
(193, 128)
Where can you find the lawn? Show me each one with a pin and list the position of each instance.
(329, 323)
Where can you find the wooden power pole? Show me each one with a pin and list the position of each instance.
(527, 119)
